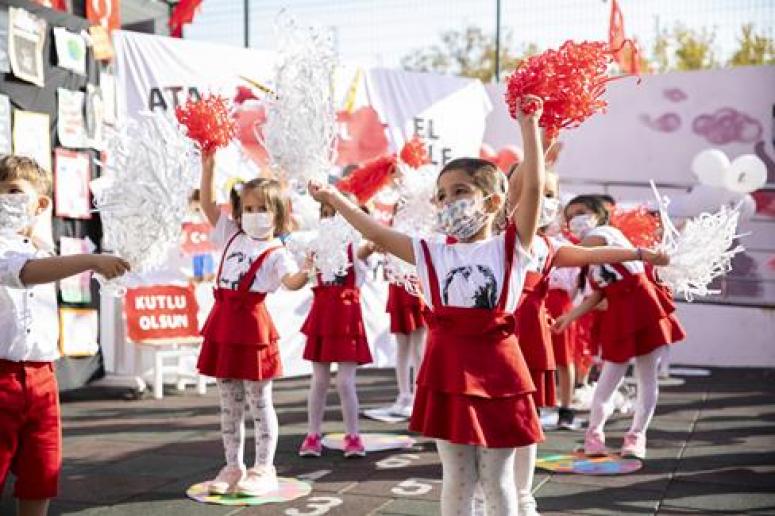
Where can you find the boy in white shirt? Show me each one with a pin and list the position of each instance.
(30, 433)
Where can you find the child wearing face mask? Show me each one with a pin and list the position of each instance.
(638, 323)
(30, 427)
(533, 324)
(473, 391)
(240, 340)
(335, 333)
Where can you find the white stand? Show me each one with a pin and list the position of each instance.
(168, 350)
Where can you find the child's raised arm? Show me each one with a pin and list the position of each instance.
(395, 243)
(206, 194)
(530, 174)
(47, 270)
(578, 256)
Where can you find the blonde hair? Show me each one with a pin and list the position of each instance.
(20, 167)
(275, 200)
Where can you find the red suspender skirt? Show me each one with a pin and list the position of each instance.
(240, 339)
(405, 309)
(535, 334)
(334, 326)
(558, 302)
(639, 318)
(473, 386)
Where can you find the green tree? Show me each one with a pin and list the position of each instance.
(754, 49)
(684, 49)
(468, 53)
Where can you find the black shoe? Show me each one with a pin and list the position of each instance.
(565, 418)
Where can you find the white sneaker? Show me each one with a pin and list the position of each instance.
(258, 482)
(402, 407)
(226, 480)
(528, 507)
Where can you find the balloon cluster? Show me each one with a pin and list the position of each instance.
(700, 252)
(300, 129)
(570, 80)
(142, 195)
(208, 122)
(746, 174)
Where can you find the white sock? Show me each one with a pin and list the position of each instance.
(348, 398)
(232, 395)
(259, 396)
(316, 402)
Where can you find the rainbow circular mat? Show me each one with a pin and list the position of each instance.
(582, 465)
(289, 489)
(372, 442)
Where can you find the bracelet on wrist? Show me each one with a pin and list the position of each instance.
(639, 253)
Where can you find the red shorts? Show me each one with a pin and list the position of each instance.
(30, 430)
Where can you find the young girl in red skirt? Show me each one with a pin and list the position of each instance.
(408, 327)
(638, 323)
(533, 326)
(335, 333)
(240, 341)
(473, 391)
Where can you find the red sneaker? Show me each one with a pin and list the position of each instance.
(353, 446)
(312, 446)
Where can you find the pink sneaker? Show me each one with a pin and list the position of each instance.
(594, 444)
(353, 446)
(312, 446)
(226, 480)
(634, 445)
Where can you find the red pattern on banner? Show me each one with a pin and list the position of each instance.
(182, 13)
(361, 136)
(60, 5)
(196, 238)
(161, 312)
(106, 13)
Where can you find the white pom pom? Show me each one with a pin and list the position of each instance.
(300, 128)
(142, 195)
(415, 216)
(329, 247)
(700, 252)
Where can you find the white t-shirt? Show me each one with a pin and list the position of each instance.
(243, 251)
(471, 274)
(359, 267)
(29, 317)
(563, 278)
(605, 274)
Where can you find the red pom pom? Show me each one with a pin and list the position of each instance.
(208, 121)
(570, 81)
(414, 153)
(368, 179)
(641, 227)
(244, 93)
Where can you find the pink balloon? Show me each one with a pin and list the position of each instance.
(487, 152)
(508, 156)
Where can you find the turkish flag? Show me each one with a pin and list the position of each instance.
(60, 5)
(361, 136)
(106, 13)
(625, 51)
(182, 13)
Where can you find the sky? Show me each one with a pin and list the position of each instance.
(380, 32)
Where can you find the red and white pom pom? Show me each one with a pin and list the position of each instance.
(208, 122)
(414, 153)
(570, 81)
(369, 178)
(641, 226)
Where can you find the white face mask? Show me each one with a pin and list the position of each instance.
(550, 207)
(462, 218)
(15, 213)
(258, 225)
(580, 225)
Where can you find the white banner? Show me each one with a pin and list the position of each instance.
(379, 110)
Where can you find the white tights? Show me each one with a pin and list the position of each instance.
(345, 384)
(409, 351)
(646, 369)
(465, 465)
(234, 394)
(524, 468)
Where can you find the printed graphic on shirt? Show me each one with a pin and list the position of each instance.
(477, 280)
(237, 257)
(604, 275)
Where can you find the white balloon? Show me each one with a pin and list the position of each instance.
(747, 173)
(747, 208)
(709, 166)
